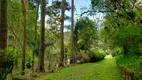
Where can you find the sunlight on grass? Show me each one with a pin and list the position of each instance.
(103, 70)
(108, 57)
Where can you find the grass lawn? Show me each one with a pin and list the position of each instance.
(103, 70)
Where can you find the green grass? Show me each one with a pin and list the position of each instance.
(103, 70)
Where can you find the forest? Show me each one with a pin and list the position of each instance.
(70, 39)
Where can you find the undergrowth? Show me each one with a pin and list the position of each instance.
(131, 63)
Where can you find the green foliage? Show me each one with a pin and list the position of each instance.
(131, 63)
(29, 59)
(33, 3)
(116, 51)
(67, 36)
(67, 49)
(85, 37)
(7, 62)
(122, 33)
(118, 32)
(96, 56)
(127, 33)
(96, 4)
(34, 46)
(55, 8)
(53, 11)
(52, 48)
(132, 14)
(14, 23)
(85, 34)
(103, 4)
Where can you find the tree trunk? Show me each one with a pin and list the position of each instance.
(71, 37)
(3, 35)
(76, 34)
(42, 31)
(3, 25)
(0, 13)
(61, 64)
(24, 12)
(35, 36)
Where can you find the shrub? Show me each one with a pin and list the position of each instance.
(116, 52)
(6, 63)
(28, 62)
(107, 53)
(131, 63)
(82, 58)
(96, 56)
(85, 58)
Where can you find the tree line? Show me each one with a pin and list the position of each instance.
(30, 42)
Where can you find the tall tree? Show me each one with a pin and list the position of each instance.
(3, 25)
(62, 34)
(35, 31)
(71, 37)
(42, 37)
(0, 13)
(24, 12)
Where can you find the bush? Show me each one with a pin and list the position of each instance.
(96, 56)
(82, 57)
(28, 62)
(131, 63)
(116, 52)
(106, 53)
(6, 63)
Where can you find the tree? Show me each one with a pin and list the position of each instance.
(71, 36)
(0, 12)
(42, 37)
(32, 5)
(61, 64)
(54, 13)
(3, 38)
(24, 12)
(86, 34)
(3, 25)
(122, 26)
(35, 33)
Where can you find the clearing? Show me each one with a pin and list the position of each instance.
(103, 70)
